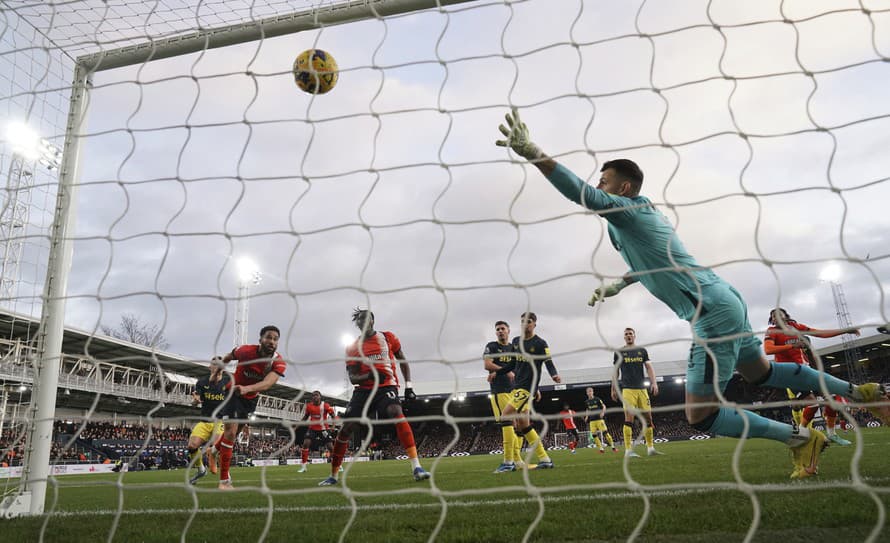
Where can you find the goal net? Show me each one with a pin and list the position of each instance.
(152, 150)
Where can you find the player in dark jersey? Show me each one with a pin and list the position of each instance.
(786, 340)
(371, 364)
(321, 415)
(210, 392)
(259, 368)
(499, 359)
(532, 353)
(632, 361)
(596, 410)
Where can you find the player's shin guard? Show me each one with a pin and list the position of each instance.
(802, 378)
(650, 436)
(628, 435)
(509, 441)
(808, 413)
(225, 457)
(304, 456)
(406, 438)
(729, 422)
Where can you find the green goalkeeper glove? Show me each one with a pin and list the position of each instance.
(606, 292)
(517, 137)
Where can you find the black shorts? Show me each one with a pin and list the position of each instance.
(237, 407)
(383, 398)
(318, 437)
(573, 432)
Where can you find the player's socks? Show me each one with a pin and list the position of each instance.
(650, 437)
(406, 438)
(598, 442)
(628, 435)
(797, 415)
(610, 440)
(517, 447)
(534, 440)
(509, 437)
(225, 458)
(196, 457)
(802, 378)
(337, 455)
(304, 456)
(729, 422)
(572, 446)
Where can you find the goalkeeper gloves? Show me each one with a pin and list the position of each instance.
(517, 137)
(606, 292)
(409, 394)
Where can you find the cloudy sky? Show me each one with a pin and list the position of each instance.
(764, 142)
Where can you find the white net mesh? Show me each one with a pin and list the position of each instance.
(760, 129)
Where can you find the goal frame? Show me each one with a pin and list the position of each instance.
(30, 496)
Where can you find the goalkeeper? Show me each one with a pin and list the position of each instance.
(722, 336)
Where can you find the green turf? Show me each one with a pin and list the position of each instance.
(692, 497)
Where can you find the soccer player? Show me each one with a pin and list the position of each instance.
(210, 393)
(568, 422)
(259, 368)
(631, 360)
(656, 257)
(786, 341)
(370, 363)
(532, 353)
(499, 359)
(318, 413)
(596, 417)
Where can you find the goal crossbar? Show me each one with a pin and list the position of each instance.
(278, 25)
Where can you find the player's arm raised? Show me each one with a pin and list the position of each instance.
(612, 289)
(406, 373)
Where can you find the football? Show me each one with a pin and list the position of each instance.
(315, 71)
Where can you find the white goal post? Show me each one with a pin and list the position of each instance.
(31, 497)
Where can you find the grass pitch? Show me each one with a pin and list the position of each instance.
(692, 494)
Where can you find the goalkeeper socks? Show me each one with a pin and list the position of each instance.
(650, 436)
(509, 437)
(802, 378)
(337, 455)
(729, 422)
(304, 456)
(628, 435)
(225, 458)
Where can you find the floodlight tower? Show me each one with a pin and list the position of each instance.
(248, 274)
(28, 150)
(855, 372)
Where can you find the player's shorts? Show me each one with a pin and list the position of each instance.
(573, 432)
(723, 313)
(205, 430)
(238, 408)
(598, 425)
(636, 398)
(499, 401)
(519, 400)
(318, 437)
(383, 398)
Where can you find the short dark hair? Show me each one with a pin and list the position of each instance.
(626, 169)
(631, 329)
(785, 316)
(500, 323)
(531, 316)
(269, 328)
(359, 315)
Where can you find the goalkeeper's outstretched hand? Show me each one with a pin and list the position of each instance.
(605, 292)
(517, 137)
